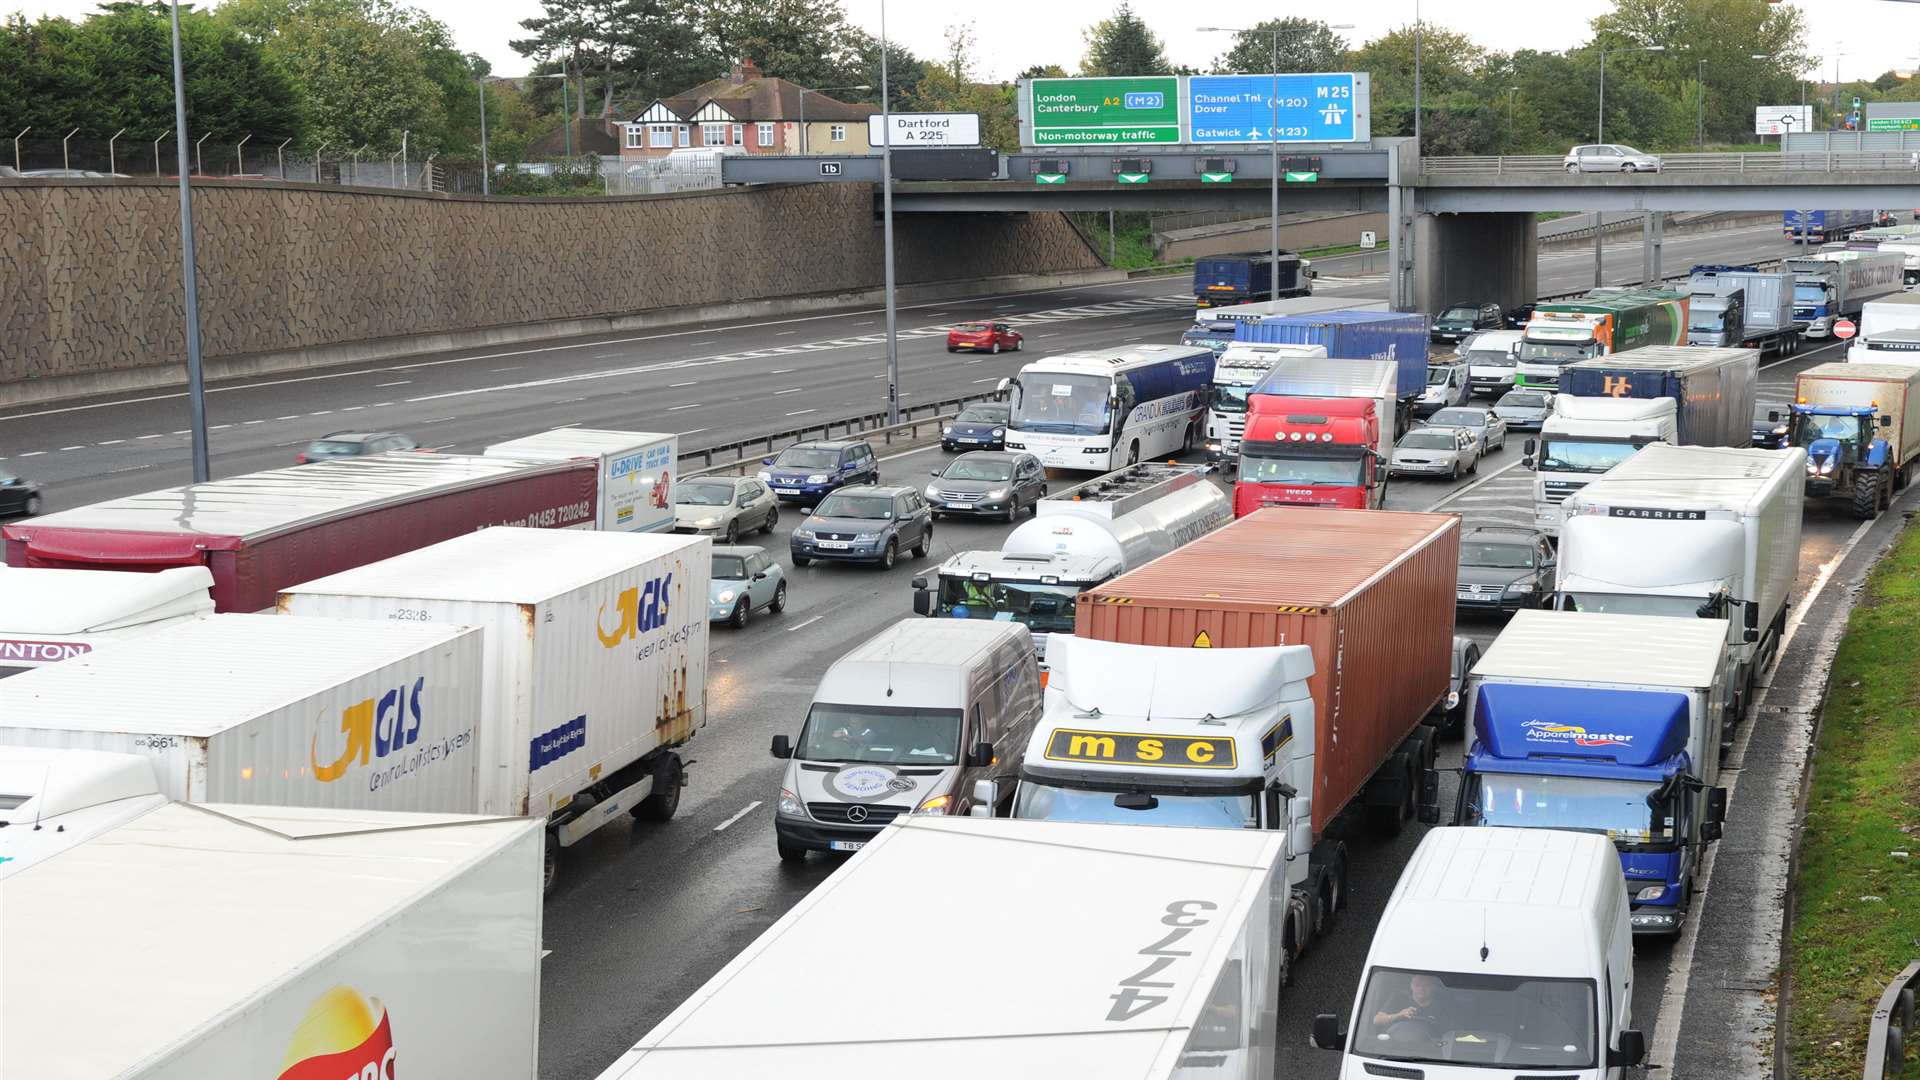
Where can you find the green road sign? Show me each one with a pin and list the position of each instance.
(1216, 178)
(1049, 178)
(1133, 177)
(1104, 112)
(1302, 177)
(1893, 123)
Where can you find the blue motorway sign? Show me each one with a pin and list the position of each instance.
(1314, 108)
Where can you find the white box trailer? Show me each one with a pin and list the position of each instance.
(596, 659)
(1096, 951)
(51, 615)
(635, 477)
(281, 712)
(1673, 529)
(228, 942)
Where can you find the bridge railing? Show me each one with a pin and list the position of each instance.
(1906, 161)
(744, 456)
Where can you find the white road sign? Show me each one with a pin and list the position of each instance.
(1781, 119)
(1369, 240)
(928, 129)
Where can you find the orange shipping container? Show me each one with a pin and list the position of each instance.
(1371, 591)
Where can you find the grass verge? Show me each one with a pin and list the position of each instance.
(1857, 904)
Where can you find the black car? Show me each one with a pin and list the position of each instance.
(804, 472)
(1769, 433)
(1517, 318)
(354, 444)
(1505, 569)
(865, 524)
(978, 427)
(18, 498)
(1462, 320)
(988, 483)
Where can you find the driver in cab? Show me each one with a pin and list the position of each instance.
(1425, 1001)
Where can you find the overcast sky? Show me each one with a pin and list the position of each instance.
(1014, 34)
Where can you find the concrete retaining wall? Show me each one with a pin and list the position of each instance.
(297, 276)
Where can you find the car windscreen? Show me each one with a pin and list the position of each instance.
(1467, 418)
(1502, 358)
(978, 469)
(1523, 401)
(1460, 314)
(880, 734)
(1457, 1019)
(1427, 440)
(982, 415)
(1497, 555)
(1439, 376)
(803, 457)
(694, 493)
(876, 507)
(730, 567)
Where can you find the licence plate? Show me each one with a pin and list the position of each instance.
(959, 506)
(832, 545)
(845, 845)
(970, 440)
(786, 491)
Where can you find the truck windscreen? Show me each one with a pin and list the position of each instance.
(1557, 352)
(1285, 463)
(1049, 803)
(1622, 809)
(1583, 455)
(1044, 609)
(1228, 398)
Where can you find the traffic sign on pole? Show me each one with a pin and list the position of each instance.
(1844, 329)
(1104, 112)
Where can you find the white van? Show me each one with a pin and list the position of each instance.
(1499, 949)
(907, 723)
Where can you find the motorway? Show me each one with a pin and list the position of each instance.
(642, 917)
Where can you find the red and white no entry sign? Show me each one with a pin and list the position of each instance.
(1844, 329)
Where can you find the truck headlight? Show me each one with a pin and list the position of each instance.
(1651, 892)
(790, 804)
(936, 805)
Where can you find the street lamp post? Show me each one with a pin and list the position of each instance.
(1600, 136)
(486, 171)
(1700, 105)
(113, 162)
(1273, 143)
(196, 387)
(886, 226)
(1512, 93)
(805, 90)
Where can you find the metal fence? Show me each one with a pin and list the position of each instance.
(1892, 1021)
(739, 458)
(1837, 160)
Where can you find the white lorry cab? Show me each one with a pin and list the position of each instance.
(906, 723)
(1584, 438)
(51, 615)
(1240, 369)
(54, 799)
(1500, 949)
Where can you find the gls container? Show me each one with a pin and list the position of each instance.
(51, 615)
(1109, 951)
(280, 712)
(262, 532)
(636, 471)
(596, 660)
(1371, 591)
(247, 942)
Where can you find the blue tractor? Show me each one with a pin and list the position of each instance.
(1847, 455)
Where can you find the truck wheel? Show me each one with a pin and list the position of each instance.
(1866, 494)
(550, 866)
(667, 782)
(789, 852)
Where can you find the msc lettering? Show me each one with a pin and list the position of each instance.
(373, 730)
(1149, 751)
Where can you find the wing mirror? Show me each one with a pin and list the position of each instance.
(986, 795)
(1716, 805)
(935, 473)
(1632, 1050)
(1886, 421)
(766, 461)
(782, 747)
(980, 756)
(1329, 1034)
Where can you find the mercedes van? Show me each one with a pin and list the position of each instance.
(907, 723)
(1504, 949)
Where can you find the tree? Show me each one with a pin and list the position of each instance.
(904, 72)
(808, 42)
(1043, 71)
(1711, 42)
(1123, 45)
(950, 87)
(1305, 45)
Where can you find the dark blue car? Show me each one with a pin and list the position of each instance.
(805, 472)
(978, 427)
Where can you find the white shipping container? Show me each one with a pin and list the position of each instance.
(271, 711)
(240, 942)
(635, 477)
(596, 649)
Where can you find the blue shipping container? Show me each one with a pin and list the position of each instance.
(1824, 224)
(1713, 398)
(1399, 336)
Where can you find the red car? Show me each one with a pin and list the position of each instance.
(983, 337)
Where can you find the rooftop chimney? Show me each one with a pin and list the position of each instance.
(742, 72)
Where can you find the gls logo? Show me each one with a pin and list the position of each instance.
(373, 730)
(640, 609)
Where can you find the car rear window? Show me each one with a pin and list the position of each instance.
(972, 328)
(333, 447)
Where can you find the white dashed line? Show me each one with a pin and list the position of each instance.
(784, 333)
(243, 423)
(439, 420)
(782, 371)
(110, 442)
(678, 408)
(322, 412)
(402, 382)
(510, 367)
(183, 431)
(286, 418)
(803, 412)
(789, 390)
(678, 385)
(64, 449)
(125, 468)
(985, 380)
(744, 811)
(34, 453)
(216, 427)
(157, 435)
(380, 404)
(352, 408)
(797, 627)
(694, 431)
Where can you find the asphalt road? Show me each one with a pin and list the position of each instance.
(642, 917)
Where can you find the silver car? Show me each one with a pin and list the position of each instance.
(1435, 451)
(1524, 410)
(1489, 431)
(724, 507)
(1609, 157)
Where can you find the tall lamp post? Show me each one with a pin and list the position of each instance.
(805, 90)
(886, 225)
(1273, 138)
(196, 387)
(1600, 136)
(1700, 105)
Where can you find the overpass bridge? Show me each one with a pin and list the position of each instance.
(1458, 226)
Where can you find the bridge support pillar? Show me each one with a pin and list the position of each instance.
(1475, 257)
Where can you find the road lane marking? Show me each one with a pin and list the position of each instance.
(797, 627)
(678, 385)
(126, 468)
(287, 417)
(156, 434)
(782, 371)
(748, 809)
(438, 420)
(402, 382)
(803, 412)
(784, 333)
(34, 453)
(678, 408)
(695, 431)
(1497, 473)
(789, 390)
(243, 423)
(64, 449)
(112, 442)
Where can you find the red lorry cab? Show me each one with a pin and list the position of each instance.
(262, 532)
(1309, 452)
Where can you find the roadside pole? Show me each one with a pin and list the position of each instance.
(196, 388)
(886, 228)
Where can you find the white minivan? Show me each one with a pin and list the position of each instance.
(1504, 949)
(907, 723)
